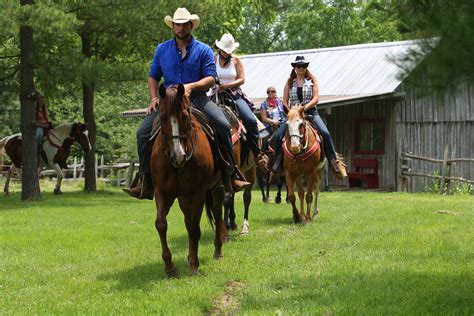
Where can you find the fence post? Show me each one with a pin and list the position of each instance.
(81, 167)
(74, 170)
(102, 166)
(443, 169)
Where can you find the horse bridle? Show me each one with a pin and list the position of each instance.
(300, 137)
(184, 137)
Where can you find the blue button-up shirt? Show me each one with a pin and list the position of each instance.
(168, 63)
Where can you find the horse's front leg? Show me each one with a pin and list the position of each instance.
(6, 188)
(229, 211)
(299, 185)
(163, 203)
(247, 200)
(192, 206)
(60, 175)
(316, 193)
(309, 195)
(292, 197)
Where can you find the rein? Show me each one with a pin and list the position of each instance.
(303, 155)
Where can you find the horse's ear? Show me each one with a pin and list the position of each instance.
(162, 90)
(180, 90)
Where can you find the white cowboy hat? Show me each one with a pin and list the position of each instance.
(182, 15)
(227, 43)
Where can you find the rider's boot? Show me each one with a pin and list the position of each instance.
(338, 167)
(143, 188)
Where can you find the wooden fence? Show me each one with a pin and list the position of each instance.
(121, 172)
(445, 175)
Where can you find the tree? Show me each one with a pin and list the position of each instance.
(30, 180)
(446, 30)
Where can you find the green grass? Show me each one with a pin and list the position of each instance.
(368, 253)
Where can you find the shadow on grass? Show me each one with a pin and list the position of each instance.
(144, 275)
(382, 293)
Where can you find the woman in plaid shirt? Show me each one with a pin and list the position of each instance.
(302, 89)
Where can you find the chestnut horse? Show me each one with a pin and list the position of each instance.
(302, 157)
(55, 149)
(183, 168)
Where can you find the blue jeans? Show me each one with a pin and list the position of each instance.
(209, 108)
(328, 144)
(39, 135)
(250, 123)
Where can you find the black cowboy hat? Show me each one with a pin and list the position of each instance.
(299, 60)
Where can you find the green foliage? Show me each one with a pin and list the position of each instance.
(123, 36)
(450, 59)
(368, 253)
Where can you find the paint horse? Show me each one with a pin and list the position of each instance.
(302, 157)
(244, 158)
(55, 149)
(183, 168)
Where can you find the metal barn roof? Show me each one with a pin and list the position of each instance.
(356, 70)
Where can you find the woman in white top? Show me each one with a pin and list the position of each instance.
(230, 72)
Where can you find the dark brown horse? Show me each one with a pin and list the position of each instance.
(302, 157)
(55, 149)
(183, 168)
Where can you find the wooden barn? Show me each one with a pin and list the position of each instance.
(372, 116)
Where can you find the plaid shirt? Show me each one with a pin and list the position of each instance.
(307, 93)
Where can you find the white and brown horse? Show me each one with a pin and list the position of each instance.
(55, 149)
(302, 157)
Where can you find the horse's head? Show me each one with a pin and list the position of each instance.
(296, 129)
(80, 134)
(175, 119)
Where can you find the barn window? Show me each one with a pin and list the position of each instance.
(370, 136)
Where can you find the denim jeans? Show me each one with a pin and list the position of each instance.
(250, 123)
(209, 108)
(277, 138)
(39, 135)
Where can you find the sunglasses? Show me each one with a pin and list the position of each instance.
(301, 66)
(271, 91)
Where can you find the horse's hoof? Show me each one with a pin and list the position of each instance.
(296, 219)
(217, 255)
(265, 199)
(278, 200)
(245, 228)
(195, 272)
(172, 273)
(232, 226)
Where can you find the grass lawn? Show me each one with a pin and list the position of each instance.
(367, 253)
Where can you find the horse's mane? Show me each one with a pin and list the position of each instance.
(293, 113)
(175, 105)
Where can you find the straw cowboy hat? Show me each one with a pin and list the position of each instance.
(227, 43)
(182, 15)
(300, 60)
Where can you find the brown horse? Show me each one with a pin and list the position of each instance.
(302, 157)
(55, 149)
(183, 168)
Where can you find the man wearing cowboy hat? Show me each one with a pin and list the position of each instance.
(184, 60)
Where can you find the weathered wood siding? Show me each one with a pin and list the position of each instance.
(425, 124)
(421, 125)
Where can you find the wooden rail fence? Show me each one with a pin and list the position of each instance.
(446, 173)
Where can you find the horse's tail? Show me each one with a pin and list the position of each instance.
(210, 215)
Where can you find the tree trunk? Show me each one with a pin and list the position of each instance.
(30, 179)
(88, 111)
